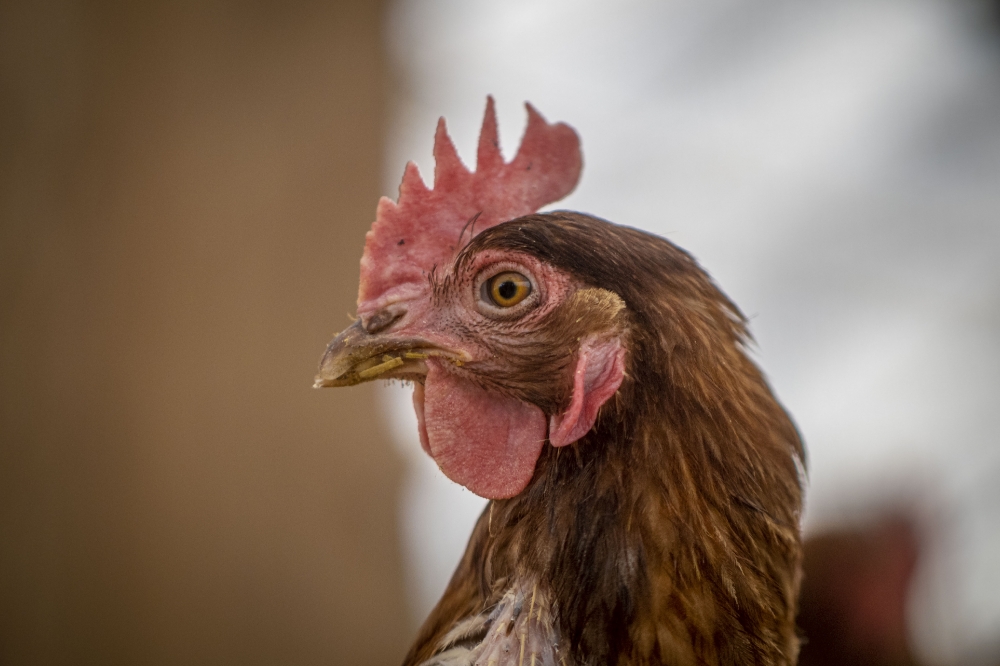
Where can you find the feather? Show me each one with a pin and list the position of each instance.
(646, 483)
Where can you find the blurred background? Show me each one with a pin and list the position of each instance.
(184, 191)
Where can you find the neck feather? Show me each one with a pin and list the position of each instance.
(671, 530)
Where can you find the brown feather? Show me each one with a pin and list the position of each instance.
(670, 532)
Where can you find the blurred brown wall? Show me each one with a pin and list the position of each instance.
(184, 191)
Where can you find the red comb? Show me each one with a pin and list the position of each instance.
(426, 227)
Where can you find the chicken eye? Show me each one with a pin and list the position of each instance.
(507, 289)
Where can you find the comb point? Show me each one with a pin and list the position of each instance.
(386, 206)
(447, 164)
(534, 134)
(534, 117)
(413, 183)
(489, 157)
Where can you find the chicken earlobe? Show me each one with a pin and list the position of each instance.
(600, 369)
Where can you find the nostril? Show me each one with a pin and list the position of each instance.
(382, 320)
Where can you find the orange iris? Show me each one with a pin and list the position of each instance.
(508, 289)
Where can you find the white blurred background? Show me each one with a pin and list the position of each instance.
(835, 165)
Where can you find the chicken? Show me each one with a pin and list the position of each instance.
(591, 381)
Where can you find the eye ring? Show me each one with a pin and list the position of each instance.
(507, 289)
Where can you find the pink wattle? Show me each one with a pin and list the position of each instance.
(482, 440)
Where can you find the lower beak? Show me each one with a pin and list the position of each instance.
(356, 356)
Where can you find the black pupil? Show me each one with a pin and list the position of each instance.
(507, 289)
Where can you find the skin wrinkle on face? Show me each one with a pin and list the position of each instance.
(507, 352)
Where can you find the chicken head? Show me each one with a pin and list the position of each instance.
(507, 352)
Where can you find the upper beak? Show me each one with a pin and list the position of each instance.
(357, 356)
